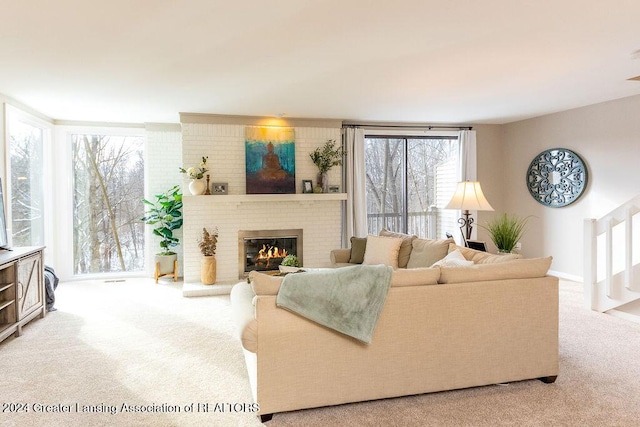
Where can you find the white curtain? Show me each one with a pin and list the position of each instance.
(467, 160)
(356, 209)
(467, 169)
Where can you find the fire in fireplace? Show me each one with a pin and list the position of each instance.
(264, 250)
(269, 255)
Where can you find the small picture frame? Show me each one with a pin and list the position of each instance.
(307, 186)
(334, 189)
(477, 245)
(219, 188)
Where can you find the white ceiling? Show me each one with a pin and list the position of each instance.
(448, 61)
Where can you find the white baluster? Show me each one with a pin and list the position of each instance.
(628, 240)
(608, 255)
(590, 261)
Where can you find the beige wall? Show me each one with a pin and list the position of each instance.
(607, 137)
(489, 160)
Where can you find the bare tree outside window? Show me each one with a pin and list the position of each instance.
(402, 176)
(108, 189)
(27, 201)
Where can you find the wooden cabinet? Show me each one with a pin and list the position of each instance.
(22, 295)
(7, 299)
(30, 289)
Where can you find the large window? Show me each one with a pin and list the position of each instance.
(26, 172)
(108, 186)
(407, 182)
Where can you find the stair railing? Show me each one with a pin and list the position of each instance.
(618, 288)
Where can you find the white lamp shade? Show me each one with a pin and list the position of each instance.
(469, 196)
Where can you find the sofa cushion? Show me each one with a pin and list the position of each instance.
(514, 269)
(264, 284)
(453, 259)
(415, 277)
(382, 250)
(405, 248)
(425, 252)
(358, 247)
(480, 257)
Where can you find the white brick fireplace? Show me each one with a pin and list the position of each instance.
(221, 138)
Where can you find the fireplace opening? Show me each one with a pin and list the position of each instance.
(264, 250)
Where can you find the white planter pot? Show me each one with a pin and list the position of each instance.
(166, 263)
(197, 187)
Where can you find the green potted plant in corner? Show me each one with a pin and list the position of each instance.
(165, 215)
(208, 264)
(505, 231)
(325, 158)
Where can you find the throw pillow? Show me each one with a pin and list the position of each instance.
(425, 252)
(358, 246)
(405, 248)
(415, 277)
(453, 259)
(382, 250)
(264, 284)
(480, 257)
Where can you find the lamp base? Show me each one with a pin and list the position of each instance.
(465, 226)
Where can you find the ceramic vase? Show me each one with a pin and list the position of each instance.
(323, 181)
(197, 187)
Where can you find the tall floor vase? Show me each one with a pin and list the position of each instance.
(208, 270)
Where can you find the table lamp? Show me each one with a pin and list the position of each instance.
(468, 197)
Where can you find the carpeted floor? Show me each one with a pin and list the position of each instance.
(154, 358)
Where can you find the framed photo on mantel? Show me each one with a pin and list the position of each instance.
(307, 186)
(219, 188)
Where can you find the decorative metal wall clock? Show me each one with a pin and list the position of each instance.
(557, 177)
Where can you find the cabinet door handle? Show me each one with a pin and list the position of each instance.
(20, 290)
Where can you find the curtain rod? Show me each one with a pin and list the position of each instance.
(427, 127)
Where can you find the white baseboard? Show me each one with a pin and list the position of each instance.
(624, 315)
(200, 290)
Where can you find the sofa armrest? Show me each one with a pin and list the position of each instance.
(242, 309)
(340, 256)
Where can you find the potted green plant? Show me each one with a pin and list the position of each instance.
(208, 265)
(325, 158)
(165, 215)
(505, 231)
(289, 264)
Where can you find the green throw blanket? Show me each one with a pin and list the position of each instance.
(347, 299)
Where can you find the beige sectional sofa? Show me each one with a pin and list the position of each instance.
(441, 328)
(468, 320)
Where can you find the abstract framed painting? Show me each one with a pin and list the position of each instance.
(270, 160)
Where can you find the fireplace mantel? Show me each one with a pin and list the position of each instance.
(251, 198)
